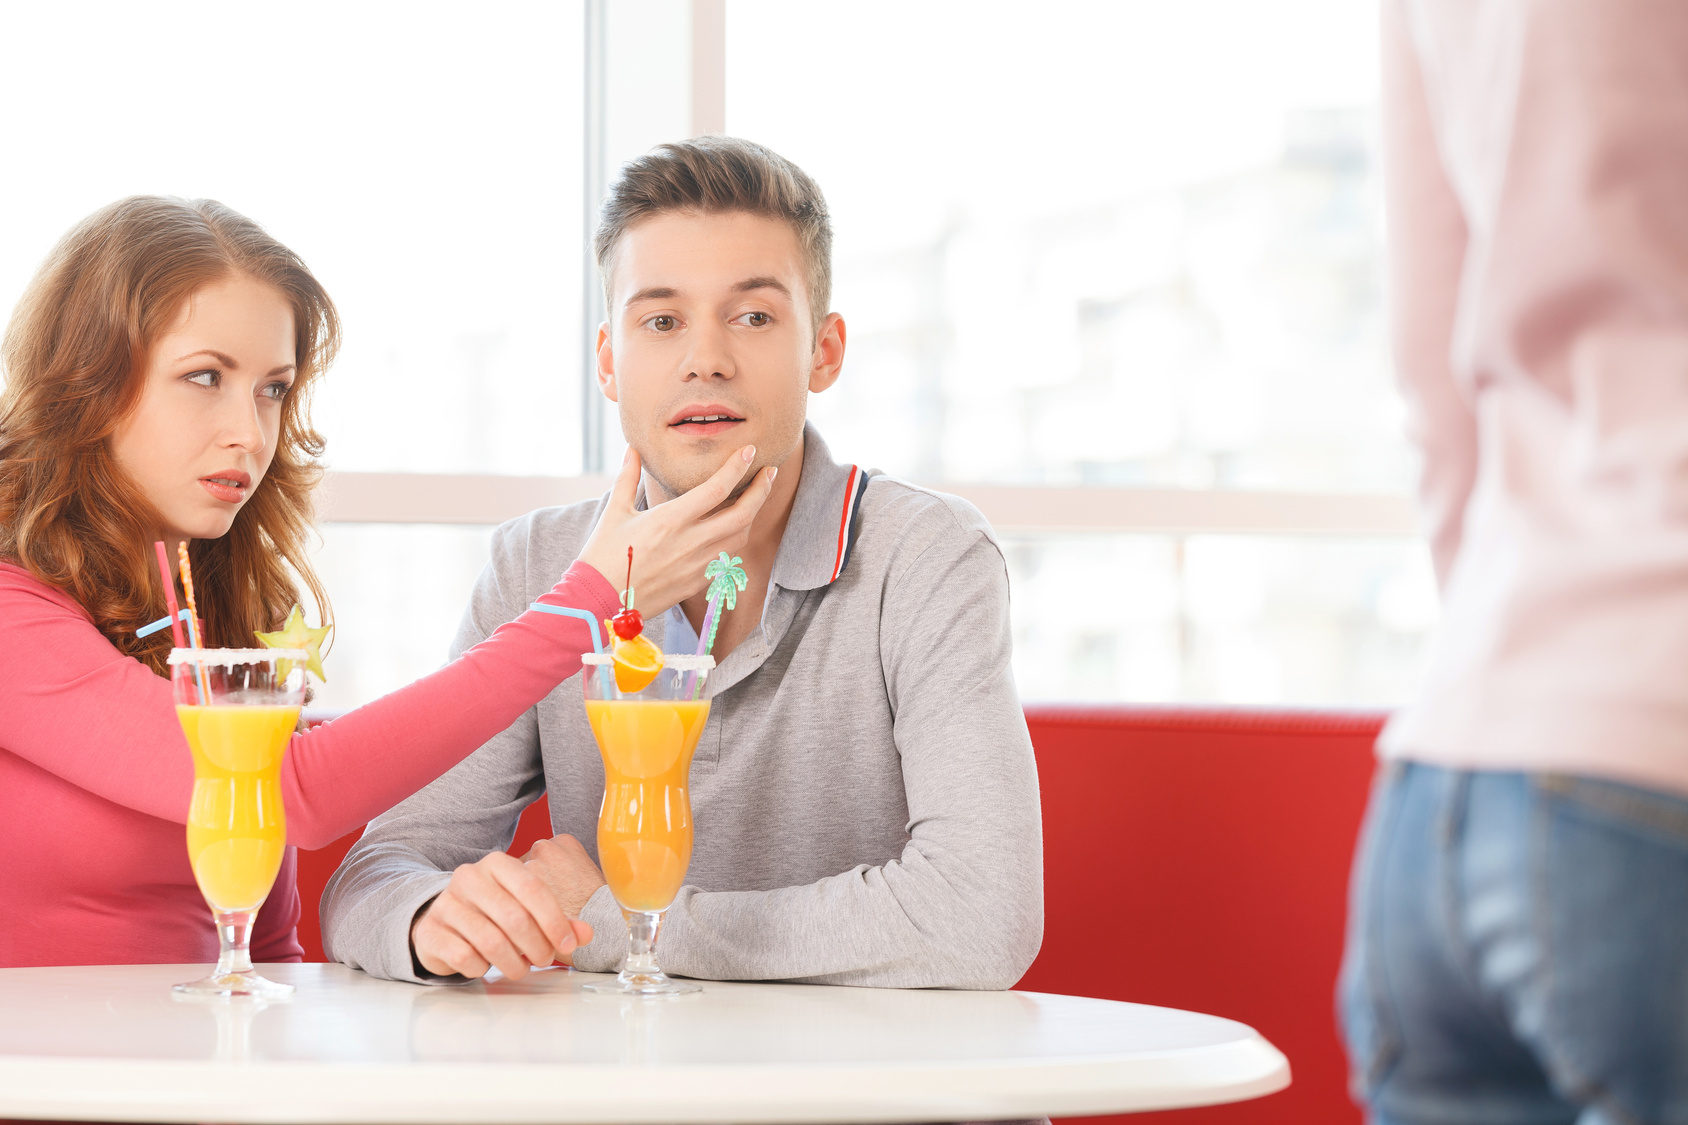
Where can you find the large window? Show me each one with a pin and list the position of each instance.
(1092, 243)
(1120, 245)
(1111, 270)
(424, 160)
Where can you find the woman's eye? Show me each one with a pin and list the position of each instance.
(204, 378)
(662, 323)
(278, 391)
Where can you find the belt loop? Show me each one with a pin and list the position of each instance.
(1452, 819)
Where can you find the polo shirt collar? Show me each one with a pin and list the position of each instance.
(825, 516)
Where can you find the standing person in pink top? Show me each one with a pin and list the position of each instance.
(1518, 949)
(156, 378)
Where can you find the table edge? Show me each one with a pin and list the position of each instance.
(272, 1093)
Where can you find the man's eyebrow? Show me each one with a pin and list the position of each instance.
(750, 283)
(225, 360)
(666, 292)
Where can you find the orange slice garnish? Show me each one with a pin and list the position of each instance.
(636, 663)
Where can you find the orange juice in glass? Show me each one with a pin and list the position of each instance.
(646, 739)
(238, 709)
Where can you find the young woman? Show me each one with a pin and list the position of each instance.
(157, 373)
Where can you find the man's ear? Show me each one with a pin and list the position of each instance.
(606, 363)
(829, 354)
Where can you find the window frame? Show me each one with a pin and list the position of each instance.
(487, 499)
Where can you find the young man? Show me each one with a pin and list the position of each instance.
(864, 792)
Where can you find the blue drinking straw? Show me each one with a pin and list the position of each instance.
(161, 623)
(566, 611)
(200, 679)
(591, 627)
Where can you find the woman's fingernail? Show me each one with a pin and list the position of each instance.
(772, 473)
(627, 458)
(749, 453)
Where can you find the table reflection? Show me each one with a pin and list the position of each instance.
(233, 1016)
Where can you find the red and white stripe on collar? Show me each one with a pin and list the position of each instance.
(850, 519)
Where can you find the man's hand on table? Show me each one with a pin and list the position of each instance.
(498, 912)
(568, 872)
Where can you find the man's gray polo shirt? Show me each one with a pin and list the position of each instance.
(864, 792)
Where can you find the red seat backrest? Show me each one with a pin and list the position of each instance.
(1198, 858)
(1193, 857)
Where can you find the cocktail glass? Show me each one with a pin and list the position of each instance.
(646, 739)
(238, 709)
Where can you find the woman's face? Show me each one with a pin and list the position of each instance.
(205, 429)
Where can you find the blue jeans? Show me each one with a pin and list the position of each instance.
(1518, 951)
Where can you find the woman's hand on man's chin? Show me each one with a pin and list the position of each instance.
(673, 542)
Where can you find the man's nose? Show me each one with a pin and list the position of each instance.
(710, 353)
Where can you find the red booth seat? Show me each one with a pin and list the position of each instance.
(1193, 857)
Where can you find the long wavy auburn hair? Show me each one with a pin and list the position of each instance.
(73, 362)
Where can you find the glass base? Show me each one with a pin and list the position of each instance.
(640, 975)
(240, 983)
(650, 983)
(234, 975)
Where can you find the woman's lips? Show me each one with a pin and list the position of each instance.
(223, 489)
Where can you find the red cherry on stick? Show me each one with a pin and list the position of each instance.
(628, 623)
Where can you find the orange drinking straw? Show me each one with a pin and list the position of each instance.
(193, 619)
(169, 594)
(187, 588)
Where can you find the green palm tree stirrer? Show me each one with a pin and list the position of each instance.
(726, 579)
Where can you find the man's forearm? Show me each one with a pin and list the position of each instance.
(369, 908)
(911, 923)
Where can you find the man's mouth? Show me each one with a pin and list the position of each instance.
(704, 421)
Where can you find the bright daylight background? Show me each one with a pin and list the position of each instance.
(1113, 243)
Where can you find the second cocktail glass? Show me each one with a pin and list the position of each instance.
(646, 739)
(238, 709)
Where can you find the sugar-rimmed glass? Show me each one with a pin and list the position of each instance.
(238, 709)
(646, 739)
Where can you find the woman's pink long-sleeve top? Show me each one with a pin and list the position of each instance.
(95, 775)
(1537, 172)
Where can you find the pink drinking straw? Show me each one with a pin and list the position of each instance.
(706, 634)
(170, 594)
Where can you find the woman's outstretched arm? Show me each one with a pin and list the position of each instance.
(79, 709)
(103, 721)
(440, 719)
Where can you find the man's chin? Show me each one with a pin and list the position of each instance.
(679, 479)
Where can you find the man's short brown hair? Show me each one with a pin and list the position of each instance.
(713, 175)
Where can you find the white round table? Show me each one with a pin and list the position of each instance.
(111, 1043)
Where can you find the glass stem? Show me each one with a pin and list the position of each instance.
(642, 927)
(234, 936)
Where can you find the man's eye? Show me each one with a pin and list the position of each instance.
(757, 319)
(662, 323)
(204, 378)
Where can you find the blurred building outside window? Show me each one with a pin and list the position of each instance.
(1122, 253)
